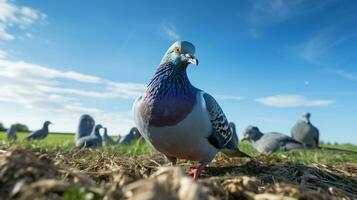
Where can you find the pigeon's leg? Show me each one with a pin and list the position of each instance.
(173, 160)
(195, 173)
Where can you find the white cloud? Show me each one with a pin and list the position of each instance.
(12, 15)
(35, 90)
(292, 101)
(170, 31)
(228, 97)
(2, 54)
(33, 71)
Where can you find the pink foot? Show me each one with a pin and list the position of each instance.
(195, 173)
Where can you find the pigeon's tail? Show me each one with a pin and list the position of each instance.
(335, 150)
(235, 153)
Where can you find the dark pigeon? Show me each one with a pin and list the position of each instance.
(40, 134)
(131, 137)
(107, 139)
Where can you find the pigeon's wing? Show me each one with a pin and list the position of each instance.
(221, 136)
(34, 134)
(287, 143)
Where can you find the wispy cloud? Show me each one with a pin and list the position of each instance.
(345, 74)
(229, 97)
(21, 17)
(318, 47)
(292, 101)
(170, 31)
(267, 13)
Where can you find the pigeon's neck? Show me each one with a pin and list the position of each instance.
(169, 80)
(97, 134)
(169, 97)
(45, 127)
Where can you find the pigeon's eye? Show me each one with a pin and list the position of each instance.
(177, 50)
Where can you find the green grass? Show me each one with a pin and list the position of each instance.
(65, 142)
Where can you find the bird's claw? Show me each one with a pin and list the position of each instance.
(194, 174)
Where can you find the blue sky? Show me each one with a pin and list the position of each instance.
(266, 62)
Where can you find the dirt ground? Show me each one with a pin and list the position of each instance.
(97, 175)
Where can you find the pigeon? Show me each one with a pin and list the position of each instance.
(85, 126)
(131, 137)
(180, 120)
(92, 140)
(40, 134)
(11, 133)
(107, 139)
(304, 132)
(270, 142)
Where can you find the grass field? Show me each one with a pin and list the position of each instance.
(282, 172)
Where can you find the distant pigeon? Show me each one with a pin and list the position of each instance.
(93, 140)
(270, 142)
(180, 120)
(40, 134)
(85, 126)
(131, 137)
(305, 132)
(107, 139)
(11, 133)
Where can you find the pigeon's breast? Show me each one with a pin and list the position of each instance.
(186, 139)
(167, 110)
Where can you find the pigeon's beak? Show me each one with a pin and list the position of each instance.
(191, 59)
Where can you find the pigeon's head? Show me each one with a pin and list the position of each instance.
(47, 123)
(136, 132)
(306, 117)
(180, 53)
(251, 133)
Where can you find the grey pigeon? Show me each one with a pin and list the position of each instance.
(180, 120)
(270, 142)
(131, 137)
(11, 133)
(107, 139)
(93, 140)
(40, 134)
(304, 132)
(85, 126)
